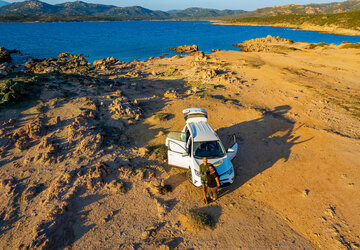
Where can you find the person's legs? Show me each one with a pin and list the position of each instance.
(205, 190)
(213, 192)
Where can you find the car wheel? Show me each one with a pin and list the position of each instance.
(189, 175)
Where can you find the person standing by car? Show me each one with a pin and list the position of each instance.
(213, 182)
(204, 170)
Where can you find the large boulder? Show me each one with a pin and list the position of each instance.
(186, 49)
(4, 55)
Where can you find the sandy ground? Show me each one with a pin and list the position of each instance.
(295, 114)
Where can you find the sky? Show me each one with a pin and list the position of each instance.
(182, 4)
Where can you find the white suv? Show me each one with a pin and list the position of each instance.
(196, 141)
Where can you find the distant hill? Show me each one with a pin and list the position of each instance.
(29, 8)
(79, 8)
(346, 20)
(328, 8)
(35, 10)
(135, 11)
(2, 3)
(201, 12)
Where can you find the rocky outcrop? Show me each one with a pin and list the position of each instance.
(4, 69)
(185, 49)
(267, 44)
(123, 108)
(199, 56)
(106, 63)
(65, 63)
(4, 55)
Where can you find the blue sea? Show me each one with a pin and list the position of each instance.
(129, 40)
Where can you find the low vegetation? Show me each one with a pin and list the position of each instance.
(161, 116)
(347, 20)
(315, 45)
(158, 152)
(351, 46)
(196, 220)
(15, 91)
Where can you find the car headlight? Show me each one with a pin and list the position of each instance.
(230, 171)
(197, 172)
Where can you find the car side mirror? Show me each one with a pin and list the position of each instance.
(230, 150)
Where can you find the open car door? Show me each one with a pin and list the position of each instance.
(232, 151)
(177, 152)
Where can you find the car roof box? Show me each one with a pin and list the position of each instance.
(195, 114)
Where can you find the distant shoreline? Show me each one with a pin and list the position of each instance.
(307, 27)
(322, 29)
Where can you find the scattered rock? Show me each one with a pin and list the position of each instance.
(106, 63)
(185, 49)
(199, 56)
(123, 108)
(171, 93)
(35, 129)
(4, 55)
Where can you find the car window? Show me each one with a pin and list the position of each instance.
(210, 149)
(179, 136)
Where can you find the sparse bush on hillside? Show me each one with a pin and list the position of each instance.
(315, 45)
(171, 71)
(161, 116)
(347, 20)
(351, 46)
(13, 91)
(196, 220)
(158, 152)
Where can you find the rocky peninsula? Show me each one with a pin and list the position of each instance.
(82, 161)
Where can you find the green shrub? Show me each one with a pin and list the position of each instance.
(293, 48)
(118, 187)
(159, 152)
(13, 91)
(161, 116)
(351, 46)
(170, 71)
(311, 46)
(200, 220)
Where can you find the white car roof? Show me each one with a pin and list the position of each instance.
(202, 131)
(195, 115)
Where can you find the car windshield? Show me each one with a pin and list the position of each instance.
(211, 149)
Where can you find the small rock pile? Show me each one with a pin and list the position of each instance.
(4, 55)
(123, 108)
(185, 49)
(106, 63)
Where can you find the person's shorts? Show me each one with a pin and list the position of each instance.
(204, 183)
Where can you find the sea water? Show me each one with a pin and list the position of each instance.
(129, 40)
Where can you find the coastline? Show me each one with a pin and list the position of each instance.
(308, 27)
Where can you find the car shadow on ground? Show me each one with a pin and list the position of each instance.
(262, 143)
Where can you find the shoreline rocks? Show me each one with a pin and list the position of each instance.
(65, 63)
(5, 56)
(185, 49)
